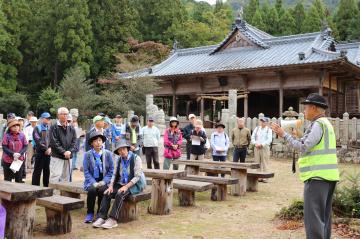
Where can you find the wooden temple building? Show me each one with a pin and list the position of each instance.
(269, 73)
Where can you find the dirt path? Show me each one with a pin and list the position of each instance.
(239, 217)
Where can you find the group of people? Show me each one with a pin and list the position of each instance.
(113, 168)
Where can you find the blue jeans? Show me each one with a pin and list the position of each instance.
(239, 153)
(219, 158)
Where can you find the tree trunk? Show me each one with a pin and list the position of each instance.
(221, 192)
(20, 217)
(161, 196)
(58, 222)
(129, 212)
(252, 184)
(186, 198)
(239, 189)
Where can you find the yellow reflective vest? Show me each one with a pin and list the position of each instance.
(321, 161)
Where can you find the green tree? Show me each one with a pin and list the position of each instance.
(354, 27)
(321, 8)
(10, 56)
(299, 17)
(60, 38)
(14, 102)
(346, 13)
(49, 100)
(250, 9)
(287, 23)
(78, 92)
(270, 18)
(312, 22)
(160, 19)
(111, 29)
(279, 8)
(257, 20)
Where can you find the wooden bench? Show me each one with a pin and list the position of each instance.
(129, 211)
(187, 189)
(253, 179)
(220, 183)
(57, 210)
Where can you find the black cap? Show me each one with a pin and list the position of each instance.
(219, 124)
(315, 99)
(134, 119)
(94, 135)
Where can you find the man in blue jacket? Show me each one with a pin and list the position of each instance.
(98, 170)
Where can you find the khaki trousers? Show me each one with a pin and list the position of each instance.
(262, 157)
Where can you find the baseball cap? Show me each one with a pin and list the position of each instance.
(45, 115)
(97, 118)
(192, 116)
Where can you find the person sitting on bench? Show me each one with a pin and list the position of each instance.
(98, 170)
(127, 179)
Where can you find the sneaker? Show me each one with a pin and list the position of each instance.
(89, 218)
(110, 223)
(98, 223)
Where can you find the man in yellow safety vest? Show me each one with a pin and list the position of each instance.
(317, 165)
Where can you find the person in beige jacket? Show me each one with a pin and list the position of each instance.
(240, 137)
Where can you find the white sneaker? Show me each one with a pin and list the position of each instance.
(98, 223)
(110, 223)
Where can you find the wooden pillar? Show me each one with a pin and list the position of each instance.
(173, 86)
(202, 108)
(58, 222)
(246, 98)
(188, 107)
(329, 97)
(239, 189)
(337, 97)
(321, 82)
(161, 196)
(246, 105)
(281, 93)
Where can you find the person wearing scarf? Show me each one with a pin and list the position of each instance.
(98, 170)
(14, 145)
(127, 179)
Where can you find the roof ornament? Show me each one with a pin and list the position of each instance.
(240, 22)
(175, 45)
(326, 30)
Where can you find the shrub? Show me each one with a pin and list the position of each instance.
(346, 201)
(294, 212)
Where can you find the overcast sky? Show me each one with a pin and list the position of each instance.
(209, 1)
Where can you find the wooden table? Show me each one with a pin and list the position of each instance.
(238, 170)
(162, 189)
(19, 200)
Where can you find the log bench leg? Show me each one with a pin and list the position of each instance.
(129, 212)
(20, 217)
(239, 189)
(69, 194)
(58, 222)
(192, 170)
(186, 198)
(161, 196)
(221, 192)
(252, 184)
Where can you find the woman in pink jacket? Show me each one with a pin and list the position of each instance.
(172, 143)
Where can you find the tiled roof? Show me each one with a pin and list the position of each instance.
(269, 51)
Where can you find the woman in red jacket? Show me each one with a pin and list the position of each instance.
(172, 143)
(14, 146)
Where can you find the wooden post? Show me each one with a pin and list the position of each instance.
(337, 97)
(58, 222)
(246, 105)
(252, 184)
(330, 97)
(161, 196)
(281, 94)
(221, 192)
(129, 212)
(246, 98)
(240, 188)
(321, 82)
(22, 211)
(202, 108)
(186, 198)
(192, 170)
(173, 86)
